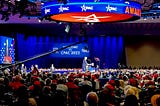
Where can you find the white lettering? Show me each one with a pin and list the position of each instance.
(65, 53)
(61, 9)
(109, 8)
(70, 52)
(75, 53)
(85, 8)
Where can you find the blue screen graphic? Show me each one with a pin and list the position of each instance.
(7, 51)
(76, 51)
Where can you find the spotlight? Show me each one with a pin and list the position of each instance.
(144, 18)
(59, 23)
(67, 28)
(90, 23)
(40, 19)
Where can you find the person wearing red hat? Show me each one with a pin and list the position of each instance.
(133, 82)
(107, 96)
(73, 92)
(16, 82)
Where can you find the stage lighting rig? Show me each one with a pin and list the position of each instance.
(22, 7)
(5, 9)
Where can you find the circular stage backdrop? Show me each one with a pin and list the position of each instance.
(90, 11)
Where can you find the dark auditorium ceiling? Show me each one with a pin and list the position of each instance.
(150, 26)
(102, 29)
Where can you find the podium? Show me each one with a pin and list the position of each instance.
(90, 67)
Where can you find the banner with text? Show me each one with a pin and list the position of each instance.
(76, 51)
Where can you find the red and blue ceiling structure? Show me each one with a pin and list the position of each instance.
(90, 11)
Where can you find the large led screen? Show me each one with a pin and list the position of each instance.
(7, 50)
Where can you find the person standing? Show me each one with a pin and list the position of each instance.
(52, 68)
(97, 63)
(85, 64)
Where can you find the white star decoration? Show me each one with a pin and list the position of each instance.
(47, 10)
(60, 9)
(83, 8)
(90, 18)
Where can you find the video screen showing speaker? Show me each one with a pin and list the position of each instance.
(7, 50)
(76, 51)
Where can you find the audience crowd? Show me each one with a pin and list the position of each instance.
(109, 87)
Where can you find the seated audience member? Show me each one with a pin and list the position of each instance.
(155, 100)
(61, 86)
(147, 92)
(46, 97)
(125, 79)
(15, 84)
(61, 93)
(36, 90)
(118, 93)
(131, 100)
(96, 82)
(132, 91)
(73, 92)
(91, 99)
(107, 95)
(23, 98)
(85, 87)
